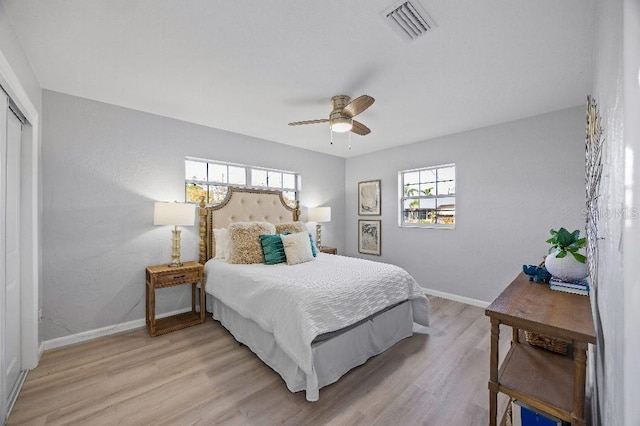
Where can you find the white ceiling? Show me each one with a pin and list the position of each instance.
(251, 67)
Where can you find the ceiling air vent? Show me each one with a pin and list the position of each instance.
(409, 20)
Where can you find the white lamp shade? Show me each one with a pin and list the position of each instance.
(320, 214)
(174, 214)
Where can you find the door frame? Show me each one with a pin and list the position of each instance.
(30, 228)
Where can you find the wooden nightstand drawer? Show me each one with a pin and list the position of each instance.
(329, 250)
(177, 277)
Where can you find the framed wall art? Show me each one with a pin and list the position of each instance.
(369, 198)
(369, 241)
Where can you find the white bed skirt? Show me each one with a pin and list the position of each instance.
(332, 358)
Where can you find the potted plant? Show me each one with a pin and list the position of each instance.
(565, 260)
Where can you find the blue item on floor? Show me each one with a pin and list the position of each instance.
(523, 415)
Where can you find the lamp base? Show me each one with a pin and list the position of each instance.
(318, 236)
(175, 248)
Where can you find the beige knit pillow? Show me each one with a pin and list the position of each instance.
(244, 241)
(291, 227)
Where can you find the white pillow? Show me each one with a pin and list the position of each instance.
(297, 248)
(221, 240)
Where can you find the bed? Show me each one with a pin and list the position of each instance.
(313, 321)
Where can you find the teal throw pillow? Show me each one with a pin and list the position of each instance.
(313, 246)
(273, 249)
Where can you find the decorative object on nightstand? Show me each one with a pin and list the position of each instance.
(162, 276)
(318, 215)
(328, 250)
(174, 214)
(538, 274)
(564, 260)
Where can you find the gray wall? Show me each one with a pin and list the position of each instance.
(103, 167)
(515, 181)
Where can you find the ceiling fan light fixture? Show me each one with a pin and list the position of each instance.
(341, 124)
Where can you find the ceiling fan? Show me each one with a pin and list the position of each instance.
(341, 118)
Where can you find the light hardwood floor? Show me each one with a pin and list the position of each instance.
(200, 375)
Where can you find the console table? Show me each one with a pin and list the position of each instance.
(545, 380)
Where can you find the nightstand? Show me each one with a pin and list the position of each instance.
(162, 276)
(329, 250)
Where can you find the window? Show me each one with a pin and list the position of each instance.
(428, 197)
(210, 179)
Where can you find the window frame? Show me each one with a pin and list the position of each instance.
(248, 172)
(435, 197)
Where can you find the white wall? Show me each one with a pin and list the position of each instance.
(615, 87)
(631, 241)
(609, 296)
(11, 48)
(515, 182)
(103, 167)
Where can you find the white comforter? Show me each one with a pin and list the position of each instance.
(299, 302)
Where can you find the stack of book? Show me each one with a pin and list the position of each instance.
(575, 287)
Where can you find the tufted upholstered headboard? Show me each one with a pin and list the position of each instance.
(242, 205)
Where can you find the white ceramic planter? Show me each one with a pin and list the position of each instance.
(566, 268)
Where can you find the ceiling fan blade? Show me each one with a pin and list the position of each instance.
(357, 105)
(298, 123)
(360, 129)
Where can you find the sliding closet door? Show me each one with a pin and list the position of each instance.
(11, 370)
(13, 337)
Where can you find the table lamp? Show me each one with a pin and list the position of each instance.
(174, 214)
(318, 215)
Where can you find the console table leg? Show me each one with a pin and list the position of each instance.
(579, 379)
(493, 372)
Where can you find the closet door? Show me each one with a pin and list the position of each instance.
(11, 371)
(4, 393)
(13, 337)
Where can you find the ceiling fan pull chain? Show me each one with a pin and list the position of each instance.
(349, 141)
(331, 135)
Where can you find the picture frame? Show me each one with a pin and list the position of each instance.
(369, 237)
(369, 202)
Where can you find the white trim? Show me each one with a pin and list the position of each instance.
(31, 302)
(456, 298)
(101, 332)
